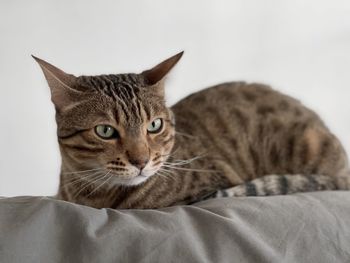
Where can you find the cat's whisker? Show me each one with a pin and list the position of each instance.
(102, 182)
(201, 155)
(89, 183)
(85, 185)
(165, 176)
(79, 179)
(83, 171)
(183, 162)
(167, 171)
(88, 179)
(180, 162)
(187, 169)
(79, 175)
(171, 153)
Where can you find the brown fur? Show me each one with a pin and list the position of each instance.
(237, 132)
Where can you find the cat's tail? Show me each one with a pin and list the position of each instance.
(287, 184)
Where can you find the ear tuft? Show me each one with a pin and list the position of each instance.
(157, 73)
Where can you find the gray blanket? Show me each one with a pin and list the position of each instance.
(312, 227)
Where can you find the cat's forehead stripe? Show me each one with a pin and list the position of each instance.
(124, 89)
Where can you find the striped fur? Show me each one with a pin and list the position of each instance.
(284, 184)
(233, 139)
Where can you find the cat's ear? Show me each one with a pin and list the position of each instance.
(157, 73)
(61, 84)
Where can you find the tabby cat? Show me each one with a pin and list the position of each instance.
(120, 146)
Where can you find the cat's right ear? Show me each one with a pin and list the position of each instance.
(157, 73)
(61, 84)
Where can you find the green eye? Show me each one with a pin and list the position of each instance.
(106, 131)
(155, 126)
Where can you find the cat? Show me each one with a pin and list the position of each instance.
(122, 147)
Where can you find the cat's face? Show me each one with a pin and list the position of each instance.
(124, 128)
(113, 126)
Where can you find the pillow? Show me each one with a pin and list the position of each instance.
(308, 227)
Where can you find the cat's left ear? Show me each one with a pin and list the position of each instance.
(156, 74)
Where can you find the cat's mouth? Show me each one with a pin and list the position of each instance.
(142, 174)
(133, 180)
(131, 175)
(138, 178)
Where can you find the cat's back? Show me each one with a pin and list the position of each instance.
(251, 130)
(246, 103)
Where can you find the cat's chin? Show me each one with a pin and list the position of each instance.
(138, 180)
(130, 182)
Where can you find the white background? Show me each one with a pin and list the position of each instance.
(300, 47)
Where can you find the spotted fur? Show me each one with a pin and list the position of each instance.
(233, 139)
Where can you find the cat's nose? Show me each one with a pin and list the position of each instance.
(140, 163)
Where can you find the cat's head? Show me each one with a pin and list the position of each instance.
(113, 124)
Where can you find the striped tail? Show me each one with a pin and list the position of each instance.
(286, 184)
